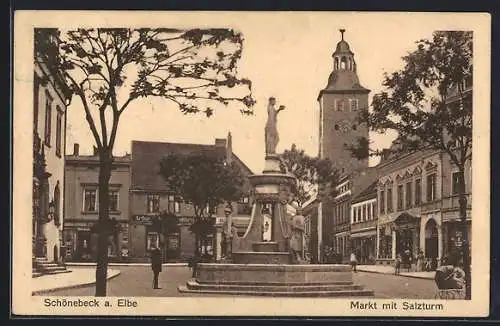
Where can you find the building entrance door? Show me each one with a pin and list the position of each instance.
(431, 239)
(404, 241)
(83, 249)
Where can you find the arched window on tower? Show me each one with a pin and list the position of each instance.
(343, 63)
(350, 63)
(336, 63)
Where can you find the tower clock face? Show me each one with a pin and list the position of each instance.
(343, 125)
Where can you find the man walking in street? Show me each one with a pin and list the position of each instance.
(156, 262)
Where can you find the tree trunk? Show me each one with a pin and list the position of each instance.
(465, 232)
(102, 242)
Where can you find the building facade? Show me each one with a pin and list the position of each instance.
(418, 206)
(82, 207)
(51, 96)
(149, 197)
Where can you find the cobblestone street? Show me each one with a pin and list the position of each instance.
(136, 281)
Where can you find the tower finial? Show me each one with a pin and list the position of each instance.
(342, 31)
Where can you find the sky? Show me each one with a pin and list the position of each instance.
(287, 56)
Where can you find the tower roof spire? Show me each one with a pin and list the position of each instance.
(342, 31)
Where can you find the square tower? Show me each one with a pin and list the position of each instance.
(340, 104)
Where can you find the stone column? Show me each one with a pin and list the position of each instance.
(377, 244)
(393, 254)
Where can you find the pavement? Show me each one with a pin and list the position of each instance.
(75, 278)
(387, 269)
(135, 281)
(127, 264)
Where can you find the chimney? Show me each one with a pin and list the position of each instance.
(220, 143)
(76, 149)
(229, 148)
(220, 147)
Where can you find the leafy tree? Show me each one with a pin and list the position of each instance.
(314, 176)
(109, 68)
(204, 180)
(429, 104)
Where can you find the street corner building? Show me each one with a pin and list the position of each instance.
(51, 97)
(149, 196)
(82, 207)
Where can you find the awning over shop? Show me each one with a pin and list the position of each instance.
(364, 234)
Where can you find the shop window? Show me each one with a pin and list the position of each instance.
(400, 197)
(89, 200)
(418, 191)
(152, 240)
(431, 187)
(389, 200)
(408, 195)
(113, 200)
(153, 203)
(454, 185)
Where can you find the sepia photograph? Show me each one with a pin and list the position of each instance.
(274, 163)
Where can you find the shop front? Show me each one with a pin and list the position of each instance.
(81, 238)
(364, 243)
(176, 244)
(454, 238)
(407, 230)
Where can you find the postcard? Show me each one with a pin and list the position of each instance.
(251, 164)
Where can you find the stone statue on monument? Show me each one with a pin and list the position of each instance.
(297, 229)
(271, 131)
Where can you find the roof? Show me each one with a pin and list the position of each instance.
(342, 47)
(344, 80)
(146, 157)
(369, 192)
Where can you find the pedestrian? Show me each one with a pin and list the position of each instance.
(156, 262)
(420, 261)
(354, 261)
(397, 265)
(449, 275)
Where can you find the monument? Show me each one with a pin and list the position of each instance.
(267, 259)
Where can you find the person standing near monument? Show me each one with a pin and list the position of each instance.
(271, 131)
(296, 238)
(156, 262)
